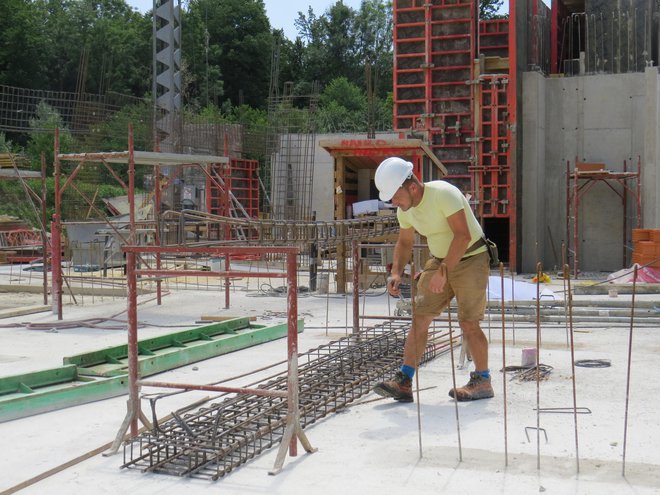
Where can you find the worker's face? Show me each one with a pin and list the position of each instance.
(403, 197)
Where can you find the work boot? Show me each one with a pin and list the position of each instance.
(399, 388)
(477, 388)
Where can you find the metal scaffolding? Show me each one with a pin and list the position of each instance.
(580, 180)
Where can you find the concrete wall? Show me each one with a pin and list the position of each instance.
(597, 118)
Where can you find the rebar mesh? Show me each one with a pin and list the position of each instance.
(212, 441)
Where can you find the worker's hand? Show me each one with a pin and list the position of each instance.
(437, 282)
(393, 282)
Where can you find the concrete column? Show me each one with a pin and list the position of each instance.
(651, 158)
(533, 216)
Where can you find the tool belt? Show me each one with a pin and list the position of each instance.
(490, 246)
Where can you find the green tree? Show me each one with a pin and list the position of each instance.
(42, 137)
(374, 43)
(489, 9)
(75, 45)
(230, 40)
(342, 107)
(330, 44)
(22, 44)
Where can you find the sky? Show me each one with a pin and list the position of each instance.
(281, 13)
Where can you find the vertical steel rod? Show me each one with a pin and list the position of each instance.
(356, 287)
(539, 271)
(567, 287)
(506, 432)
(569, 299)
(513, 308)
(412, 323)
(632, 319)
(443, 269)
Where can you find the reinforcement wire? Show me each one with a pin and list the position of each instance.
(572, 343)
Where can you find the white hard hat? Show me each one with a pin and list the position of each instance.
(390, 175)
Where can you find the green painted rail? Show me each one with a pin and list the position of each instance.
(103, 373)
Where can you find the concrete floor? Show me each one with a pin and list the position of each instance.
(372, 447)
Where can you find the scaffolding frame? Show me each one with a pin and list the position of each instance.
(580, 180)
(293, 431)
(131, 158)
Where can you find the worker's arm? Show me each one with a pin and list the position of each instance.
(402, 253)
(459, 244)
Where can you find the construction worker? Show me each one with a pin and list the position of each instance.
(441, 213)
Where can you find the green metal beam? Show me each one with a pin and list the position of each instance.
(106, 374)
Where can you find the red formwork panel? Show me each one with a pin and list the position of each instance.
(240, 179)
(435, 45)
(494, 37)
(494, 163)
(465, 116)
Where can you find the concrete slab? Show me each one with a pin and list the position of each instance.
(373, 446)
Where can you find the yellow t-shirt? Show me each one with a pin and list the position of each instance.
(429, 217)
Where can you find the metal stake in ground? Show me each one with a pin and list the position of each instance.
(632, 319)
(513, 308)
(569, 299)
(506, 436)
(539, 272)
(443, 270)
(412, 306)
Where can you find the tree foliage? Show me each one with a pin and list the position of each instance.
(75, 45)
(490, 9)
(42, 137)
(228, 51)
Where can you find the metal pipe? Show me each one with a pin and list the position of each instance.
(44, 234)
(292, 344)
(56, 231)
(133, 370)
(227, 270)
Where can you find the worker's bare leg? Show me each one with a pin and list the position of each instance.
(416, 340)
(477, 344)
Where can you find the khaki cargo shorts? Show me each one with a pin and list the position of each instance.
(468, 282)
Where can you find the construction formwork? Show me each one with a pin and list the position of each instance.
(454, 88)
(603, 36)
